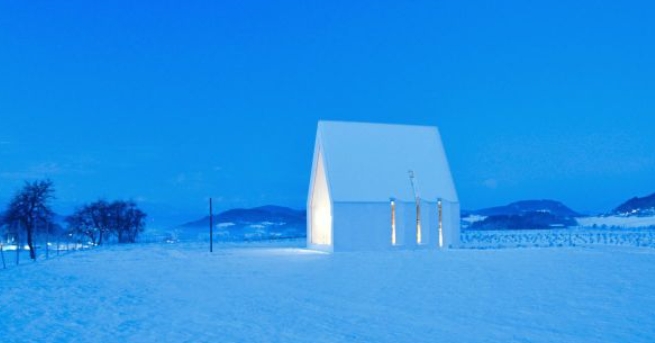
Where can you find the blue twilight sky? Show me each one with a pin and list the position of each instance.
(171, 102)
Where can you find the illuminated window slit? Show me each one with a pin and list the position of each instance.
(418, 220)
(393, 222)
(440, 209)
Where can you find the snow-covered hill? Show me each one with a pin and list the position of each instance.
(274, 293)
(529, 206)
(543, 214)
(634, 213)
(259, 223)
(637, 207)
(526, 214)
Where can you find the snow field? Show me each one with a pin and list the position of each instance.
(617, 221)
(491, 239)
(282, 293)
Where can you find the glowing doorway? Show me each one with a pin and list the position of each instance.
(321, 209)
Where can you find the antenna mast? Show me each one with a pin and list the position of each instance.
(417, 198)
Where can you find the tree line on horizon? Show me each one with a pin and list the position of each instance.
(29, 213)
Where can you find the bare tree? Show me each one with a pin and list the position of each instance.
(30, 209)
(128, 221)
(81, 224)
(99, 219)
(92, 221)
(99, 212)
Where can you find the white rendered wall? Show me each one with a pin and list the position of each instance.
(406, 227)
(428, 223)
(361, 226)
(408, 224)
(367, 226)
(406, 232)
(431, 218)
(451, 224)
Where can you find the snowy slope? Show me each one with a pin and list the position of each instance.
(525, 214)
(259, 223)
(528, 206)
(274, 293)
(644, 206)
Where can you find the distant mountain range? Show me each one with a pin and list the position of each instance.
(259, 223)
(639, 207)
(528, 214)
(529, 206)
(544, 214)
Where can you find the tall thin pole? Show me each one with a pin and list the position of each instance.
(47, 238)
(2, 252)
(211, 227)
(417, 197)
(18, 244)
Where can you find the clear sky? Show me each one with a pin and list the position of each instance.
(171, 102)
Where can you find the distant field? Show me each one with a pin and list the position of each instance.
(617, 221)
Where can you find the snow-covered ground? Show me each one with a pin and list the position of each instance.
(569, 237)
(590, 222)
(617, 221)
(279, 292)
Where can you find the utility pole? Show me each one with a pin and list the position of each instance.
(2, 252)
(47, 238)
(18, 244)
(211, 227)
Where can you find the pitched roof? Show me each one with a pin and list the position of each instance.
(371, 162)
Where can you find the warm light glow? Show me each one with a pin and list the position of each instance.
(440, 223)
(393, 222)
(322, 222)
(321, 208)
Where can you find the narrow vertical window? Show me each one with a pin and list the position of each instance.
(393, 222)
(440, 208)
(418, 220)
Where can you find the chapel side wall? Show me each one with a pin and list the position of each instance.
(361, 226)
(431, 229)
(407, 224)
(367, 226)
(451, 224)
